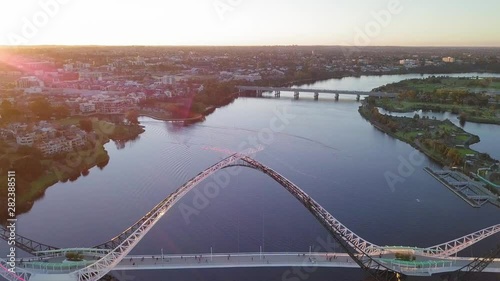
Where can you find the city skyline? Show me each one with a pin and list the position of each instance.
(245, 23)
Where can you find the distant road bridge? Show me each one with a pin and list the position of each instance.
(277, 92)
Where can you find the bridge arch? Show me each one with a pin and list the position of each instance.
(359, 249)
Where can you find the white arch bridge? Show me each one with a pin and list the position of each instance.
(377, 261)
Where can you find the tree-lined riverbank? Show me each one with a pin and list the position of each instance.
(37, 172)
(442, 141)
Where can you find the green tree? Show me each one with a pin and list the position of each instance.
(60, 112)
(132, 117)
(198, 107)
(8, 111)
(28, 167)
(463, 119)
(85, 172)
(6, 106)
(28, 150)
(4, 164)
(41, 108)
(74, 256)
(86, 125)
(102, 161)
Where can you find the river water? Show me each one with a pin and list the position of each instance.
(327, 149)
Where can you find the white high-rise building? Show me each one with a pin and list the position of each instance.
(168, 80)
(29, 82)
(449, 59)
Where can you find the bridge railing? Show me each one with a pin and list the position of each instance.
(76, 250)
(47, 267)
(41, 264)
(417, 266)
(63, 252)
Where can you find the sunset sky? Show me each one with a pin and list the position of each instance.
(249, 22)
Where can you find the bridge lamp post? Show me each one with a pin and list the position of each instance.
(161, 254)
(211, 254)
(260, 252)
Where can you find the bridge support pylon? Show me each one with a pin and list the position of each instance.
(337, 96)
(277, 94)
(358, 98)
(296, 95)
(316, 96)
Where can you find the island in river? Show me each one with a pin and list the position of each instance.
(442, 141)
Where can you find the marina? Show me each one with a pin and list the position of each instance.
(472, 192)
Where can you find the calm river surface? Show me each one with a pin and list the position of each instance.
(328, 150)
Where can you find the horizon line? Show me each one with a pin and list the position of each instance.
(276, 45)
